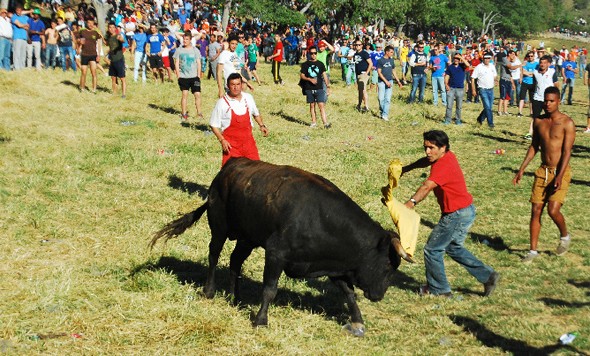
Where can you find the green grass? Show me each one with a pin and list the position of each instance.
(81, 194)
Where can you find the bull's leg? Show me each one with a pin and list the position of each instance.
(357, 327)
(238, 256)
(218, 226)
(273, 268)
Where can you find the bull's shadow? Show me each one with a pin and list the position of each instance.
(330, 303)
(191, 188)
(563, 303)
(166, 109)
(516, 347)
(198, 127)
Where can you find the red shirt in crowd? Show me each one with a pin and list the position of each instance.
(278, 49)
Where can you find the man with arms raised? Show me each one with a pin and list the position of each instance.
(553, 134)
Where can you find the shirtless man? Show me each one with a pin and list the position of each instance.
(553, 134)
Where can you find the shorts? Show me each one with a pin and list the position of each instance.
(252, 66)
(505, 89)
(85, 60)
(166, 61)
(316, 96)
(117, 68)
(192, 84)
(524, 88)
(155, 61)
(374, 77)
(543, 191)
(363, 78)
(537, 108)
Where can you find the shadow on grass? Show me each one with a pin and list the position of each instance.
(77, 85)
(198, 127)
(563, 303)
(289, 118)
(516, 347)
(496, 138)
(176, 182)
(532, 174)
(330, 303)
(5, 139)
(166, 109)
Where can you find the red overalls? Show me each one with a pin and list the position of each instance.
(239, 135)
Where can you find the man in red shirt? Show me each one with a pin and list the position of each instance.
(457, 215)
(277, 58)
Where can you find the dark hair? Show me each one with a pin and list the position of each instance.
(232, 37)
(112, 23)
(187, 34)
(552, 90)
(232, 77)
(312, 47)
(545, 58)
(438, 138)
(388, 48)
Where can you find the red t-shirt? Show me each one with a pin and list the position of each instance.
(451, 191)
(278, 49)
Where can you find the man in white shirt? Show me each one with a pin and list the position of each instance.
(229, 62)
(5, 39)
(231, 121)
(485, 74)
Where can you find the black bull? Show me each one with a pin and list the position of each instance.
(307, 226)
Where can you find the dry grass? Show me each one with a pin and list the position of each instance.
(81, 195)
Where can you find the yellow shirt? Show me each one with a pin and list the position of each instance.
(403, 54)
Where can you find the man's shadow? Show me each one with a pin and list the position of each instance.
(289, 118)
(516, 347)
(166, 109)
(532, 174)
(191, 188)
(76, 85)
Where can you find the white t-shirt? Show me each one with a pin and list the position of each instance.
(231, 63)
(515, 73)
(221, 115)
(485, 75)
(543, 81)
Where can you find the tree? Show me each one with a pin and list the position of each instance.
(489, 22)
(102, 8)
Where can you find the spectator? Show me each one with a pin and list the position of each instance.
(505, 81)
(516, 74)
(51, 46)
(587, 83)
(115, 41)
(277, 58)
(214, 50)
(252, 50)
(202, 44)
(314, 76)
(569, 70)
(342, 55)
(324, 50)
(6, 34)
(37, 39)
(229, 62)
(386, 73)
(187, 61)
(156, 43)
(527, 85)
(362, 68)
(88, 39)
(485, 74)
(139, 56)
(375, 55)
(418, 64)
(438, 64)
(455, 84)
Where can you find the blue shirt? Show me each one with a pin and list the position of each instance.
(456, 75)
(140, 41)
(440, 64)
(182, 17)
(172, 41)
(568, 68)
(155, 42)
(344, 52)
(37, 25)
(17, 32)
(529, 67)
(376, 56)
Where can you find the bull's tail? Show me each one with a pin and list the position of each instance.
(178, 226)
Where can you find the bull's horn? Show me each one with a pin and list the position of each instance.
(397, 245)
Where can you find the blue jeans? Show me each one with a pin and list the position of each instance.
(569, 85)
(516, 92)
(418, 80)
(449, 236)
(487, 99)
(438, 83)
(384, 98)
(69, 51)
(5, 50)
(50, 55)
(454, 95)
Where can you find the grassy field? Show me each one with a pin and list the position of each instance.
(87, 179)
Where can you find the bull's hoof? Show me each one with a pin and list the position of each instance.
(355, 329)
(209, 293)
(258, 321)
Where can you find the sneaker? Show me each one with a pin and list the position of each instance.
(364, 110)
(587, 131)
(528, 137)
(327, 125)
(506, 113)
(313, 124)
(184, 117)
(519, 114)
(424, 291)
(491, 284)
(385, 118)
(562, 247)
(529, 257)
(458, 122)
(446, 122)
(358, 108)
(500, 113)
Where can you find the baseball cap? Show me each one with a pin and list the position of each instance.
(37, 11)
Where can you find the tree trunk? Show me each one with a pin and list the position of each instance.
(305, 8)
(102, 8)
(225, 17)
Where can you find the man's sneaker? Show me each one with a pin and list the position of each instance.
(562, 247)
(364, 110)
(358, 108)
(327, 125)
(491, 284)
(385, 118)
(529, 257)
(519, 114)
(587, 131)
(184, 117)
(313, 124)
(424, 291)
(528, 137)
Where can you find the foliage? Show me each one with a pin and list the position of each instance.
(270, 11)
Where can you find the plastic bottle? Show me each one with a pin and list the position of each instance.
(568, 338)
(499, 151)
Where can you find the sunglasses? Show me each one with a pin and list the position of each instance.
(312, 53)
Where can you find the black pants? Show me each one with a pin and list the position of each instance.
(276, 72)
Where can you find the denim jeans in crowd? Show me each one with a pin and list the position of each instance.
(350, 75)
(384, 96)
(449, 236)
(454, 95)
(418, 80)
(67, 51)
(487, 99)
(140, 61)
(438, 83)
(569, 86)
(514, 98)
(50, 55)
(5, 50)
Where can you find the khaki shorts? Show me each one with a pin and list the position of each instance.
(364, 78)
(543, 191)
